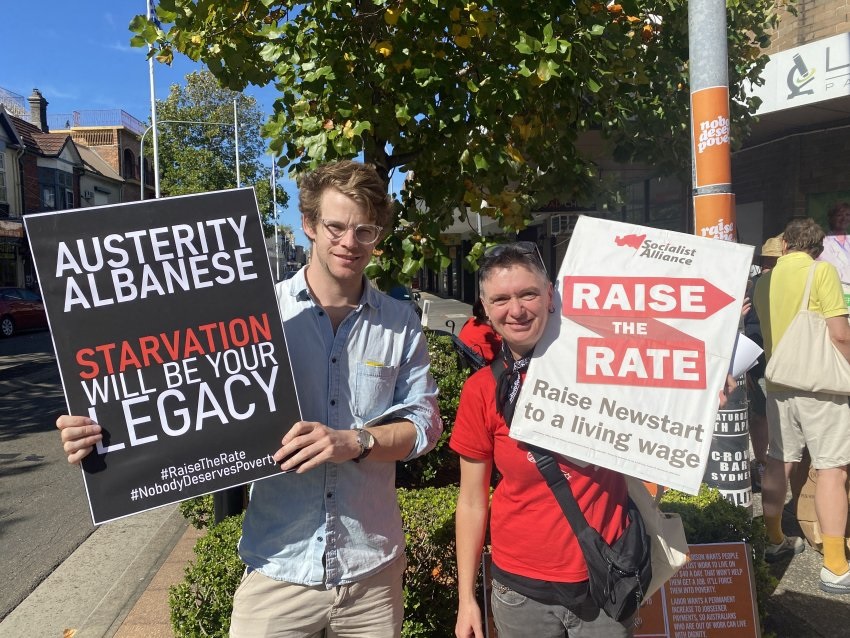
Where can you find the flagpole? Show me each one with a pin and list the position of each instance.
(274, 209)
(151, 13)
(236, 143)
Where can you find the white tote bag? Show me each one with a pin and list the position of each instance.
(805, 358)
(669, 545)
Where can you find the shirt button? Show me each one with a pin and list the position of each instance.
(330, 494)
(333, 360)
(320, 539)
(333, 402)
(321, 313)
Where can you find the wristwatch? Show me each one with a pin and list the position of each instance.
(366, 442)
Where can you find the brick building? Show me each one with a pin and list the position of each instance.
(55, 162)
(115, 137)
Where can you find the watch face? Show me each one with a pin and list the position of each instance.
(365, 439)
(366, 442)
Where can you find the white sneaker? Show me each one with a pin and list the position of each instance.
(833, 584)
(790, 546)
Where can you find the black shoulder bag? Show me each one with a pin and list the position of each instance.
(618, 574)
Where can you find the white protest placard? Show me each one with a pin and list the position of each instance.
(627, 373)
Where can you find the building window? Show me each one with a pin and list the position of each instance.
(54, 185)
(48, 198)
(129, 167)
(657, 202)
(3, 192)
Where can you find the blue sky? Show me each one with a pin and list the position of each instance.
(78, 55)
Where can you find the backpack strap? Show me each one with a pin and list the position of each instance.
(550, 470)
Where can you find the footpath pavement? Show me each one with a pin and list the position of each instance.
(116, 583)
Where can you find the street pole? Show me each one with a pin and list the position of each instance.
(711, 168)
(714, 216)
(153, 120)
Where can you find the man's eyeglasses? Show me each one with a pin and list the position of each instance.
(364, 233)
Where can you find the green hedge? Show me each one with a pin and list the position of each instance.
(201, 604)
(198, 511)
(440, 467)
(430, 601)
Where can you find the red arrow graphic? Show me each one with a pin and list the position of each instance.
(644, 353)
(631, 297)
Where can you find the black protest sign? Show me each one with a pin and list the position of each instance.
(168, 334)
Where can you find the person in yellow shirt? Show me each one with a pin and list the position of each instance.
(799, 419)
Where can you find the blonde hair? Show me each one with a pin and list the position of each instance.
(356, 180)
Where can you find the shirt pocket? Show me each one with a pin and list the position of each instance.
(374, 387)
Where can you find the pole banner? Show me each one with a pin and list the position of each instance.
(715, 216)
(710, 118)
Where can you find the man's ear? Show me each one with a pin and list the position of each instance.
(310, 232)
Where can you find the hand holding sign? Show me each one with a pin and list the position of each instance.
(79, 436)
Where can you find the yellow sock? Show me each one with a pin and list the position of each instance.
(833, 554)
(773, 527)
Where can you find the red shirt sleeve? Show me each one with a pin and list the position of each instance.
(472, 434)
(481, 337)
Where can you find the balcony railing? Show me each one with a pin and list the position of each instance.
(15, 104)
(79, 119)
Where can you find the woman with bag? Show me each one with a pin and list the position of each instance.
(807, 344)
(540, 586)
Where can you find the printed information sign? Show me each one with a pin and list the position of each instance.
(628, 377)
(167, 333)
(711, 596)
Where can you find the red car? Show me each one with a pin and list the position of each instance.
(20, 309)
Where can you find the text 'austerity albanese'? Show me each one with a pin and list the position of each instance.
(138, 264)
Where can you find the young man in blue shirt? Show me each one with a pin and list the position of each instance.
(323, 545)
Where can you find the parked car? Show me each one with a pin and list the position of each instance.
(20, 309)
(404, 293)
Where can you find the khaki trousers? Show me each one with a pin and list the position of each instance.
(370, 608)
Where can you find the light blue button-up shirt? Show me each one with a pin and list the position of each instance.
(340, 522)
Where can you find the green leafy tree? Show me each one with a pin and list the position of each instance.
(483, 103)
(197, 149)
